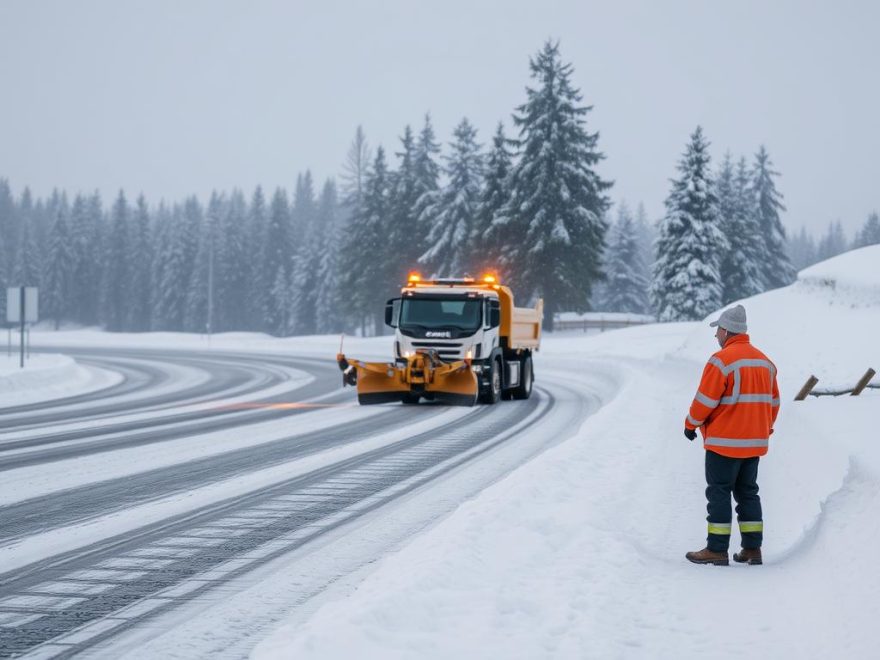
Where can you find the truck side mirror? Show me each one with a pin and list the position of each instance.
(494, 313)
(392, 312)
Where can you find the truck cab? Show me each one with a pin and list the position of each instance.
(472, 320)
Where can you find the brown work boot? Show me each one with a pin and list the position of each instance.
(750, 556)
(706, 556)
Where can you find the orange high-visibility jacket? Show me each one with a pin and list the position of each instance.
(737, 402)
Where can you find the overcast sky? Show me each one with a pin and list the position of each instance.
(172, 98)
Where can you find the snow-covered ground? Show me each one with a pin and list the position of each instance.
(46, 377)
(580, 552)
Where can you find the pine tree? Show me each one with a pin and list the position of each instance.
(450, 213)
(258, 285)
(59, 268)
(802, 250)
(355, 169)
(870, 232)
(364, 241)
(554, 223)
(485, 252)
(741, 272)
(833, 243)
(232, 269)
(687, 280)
(626, 286)
(404, 239)
(171, 271)
(7, 247)
(646, 234)
(117, 280)
(307, 237)
(777, 271)
(276, 256)
(328, 310)
(141, 269)
(200, 314)
(426, 171)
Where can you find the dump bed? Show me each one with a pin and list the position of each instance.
(520, 325)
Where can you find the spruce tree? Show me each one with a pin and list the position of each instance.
(200, 313)
(355, 169)
(7, 247)
(687, 282)
(276, 257)
(362, 270)
(232, 266)
(741, 272)
(141, 269)
(329, 305)
(117, 277)
(450, 213)
(56, 299)
(777, 270)
(626, 286)
(802, 250)
(172, 271)
(404, 240)
(426, 169)
(27, 269)
(258, 283)
(832, 243)
(306, 239)
(553, 223)
(486, 244)
(869, 233)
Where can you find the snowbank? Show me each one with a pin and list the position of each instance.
(580, 553)
(48, 377)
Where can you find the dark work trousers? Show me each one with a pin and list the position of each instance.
(725, 475)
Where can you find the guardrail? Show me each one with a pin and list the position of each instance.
(600, 324)
(812, 381)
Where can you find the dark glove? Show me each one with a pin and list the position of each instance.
(690, 434)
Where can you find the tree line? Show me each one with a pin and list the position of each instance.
(530, 208)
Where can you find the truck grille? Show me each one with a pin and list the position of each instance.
(451, 351)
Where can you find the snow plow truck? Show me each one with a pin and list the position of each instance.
(457, 341)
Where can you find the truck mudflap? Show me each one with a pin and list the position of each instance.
(423, 375)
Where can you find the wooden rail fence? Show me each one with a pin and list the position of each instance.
(812, 381)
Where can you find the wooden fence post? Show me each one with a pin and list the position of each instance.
(863, 382)
(807, 388)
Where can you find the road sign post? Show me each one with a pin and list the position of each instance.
(22, 304)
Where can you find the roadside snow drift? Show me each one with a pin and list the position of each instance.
(47, 377)
(580, 553)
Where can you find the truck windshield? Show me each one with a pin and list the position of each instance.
(434, 313)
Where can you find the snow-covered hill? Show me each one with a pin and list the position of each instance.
(580, 553)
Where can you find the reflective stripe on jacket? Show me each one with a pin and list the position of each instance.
(737, 402)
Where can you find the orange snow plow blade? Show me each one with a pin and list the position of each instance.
(423, 375)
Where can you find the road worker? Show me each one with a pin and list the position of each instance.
(735, 408)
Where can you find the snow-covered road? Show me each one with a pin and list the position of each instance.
(197, 470)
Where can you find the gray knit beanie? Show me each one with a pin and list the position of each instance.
(733, 320)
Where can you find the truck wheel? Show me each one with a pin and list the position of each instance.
(493, 394)
(526, 378)
(410, 399)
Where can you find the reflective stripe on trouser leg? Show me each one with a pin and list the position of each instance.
(750, 526)
(722, 529)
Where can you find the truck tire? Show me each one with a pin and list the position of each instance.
(409, 398)
(526, 379)
(493, 394)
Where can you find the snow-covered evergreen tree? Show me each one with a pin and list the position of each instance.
(486, 245)
(232, 268)
(687, 282)
(171, 270)
(276, 256)
(361, 269)
(832, 243)
(741, 267)
(626, 285)
(27, 269)
(55, 295)
(869, 234)
(304, 269)
(329, 304)
(7, 247)
(404, 238)
(355, 169)
(85, 248)
(801, 250)
(258, 284)
(777, 270)
(200, 314)
(141, 269)
(117, 276)
(450, 213)
(426, 169)
(553, 223)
